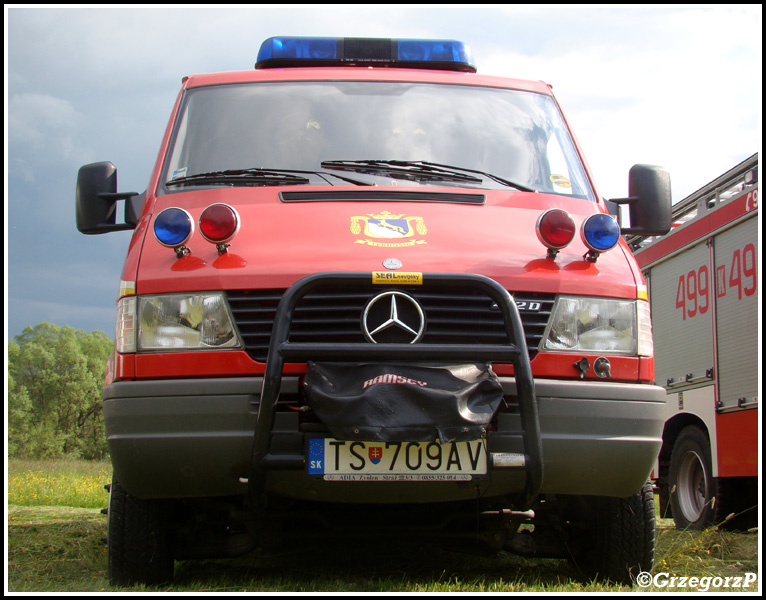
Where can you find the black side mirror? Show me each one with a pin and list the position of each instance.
(96, 200)
(649, 201)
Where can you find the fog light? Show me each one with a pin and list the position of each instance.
(173, 227)
(219, 223)
(599, 233)
(555, 229)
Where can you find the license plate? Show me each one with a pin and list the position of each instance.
(336, 460)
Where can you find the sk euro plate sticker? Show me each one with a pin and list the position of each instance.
(316, 457)
(388, 230)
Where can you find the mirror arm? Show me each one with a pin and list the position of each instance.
(113, 196)
(637, 231)
(629, 200)
(108, 228)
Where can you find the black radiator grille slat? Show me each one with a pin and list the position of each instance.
(331, 315)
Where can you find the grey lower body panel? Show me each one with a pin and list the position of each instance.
(194, 438)
(599, 438)
(181, 438)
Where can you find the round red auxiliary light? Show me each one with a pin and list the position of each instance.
(555, 228)
(219, 223)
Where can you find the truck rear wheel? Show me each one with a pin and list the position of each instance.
(620, 537)
(138, 536)
(692, 487)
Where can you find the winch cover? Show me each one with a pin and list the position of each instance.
(403, 402)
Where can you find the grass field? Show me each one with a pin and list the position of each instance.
(75, 483)
(56, 532)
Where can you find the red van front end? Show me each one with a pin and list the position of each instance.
(365, 279)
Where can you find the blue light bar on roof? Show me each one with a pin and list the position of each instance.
(287, 51)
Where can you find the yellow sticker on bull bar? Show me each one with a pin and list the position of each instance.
(391, 277)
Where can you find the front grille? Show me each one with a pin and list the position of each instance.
(463, 316)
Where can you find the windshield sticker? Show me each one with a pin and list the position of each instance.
(178, 173)
(397, 230)
(561, 182)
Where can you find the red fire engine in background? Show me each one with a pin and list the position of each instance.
(703, 290)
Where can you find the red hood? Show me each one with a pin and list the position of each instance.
(280, 242)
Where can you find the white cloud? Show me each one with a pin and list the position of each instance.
(683, 89)
(32, 116)
(41, 129)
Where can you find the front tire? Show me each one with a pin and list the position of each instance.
(618, 541)
(140, 549)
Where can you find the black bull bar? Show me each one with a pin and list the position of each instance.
(281, 350)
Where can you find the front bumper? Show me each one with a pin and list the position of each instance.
(194, 438)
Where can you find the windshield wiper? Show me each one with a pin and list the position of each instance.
(258, 176)
(400, 169)
(419, 170)
(241, 177)
(492, 176)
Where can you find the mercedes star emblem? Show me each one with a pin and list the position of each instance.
(394, 318)
(392, 263)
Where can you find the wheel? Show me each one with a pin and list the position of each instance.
(693, 489)
(616, 536)
(138, 537)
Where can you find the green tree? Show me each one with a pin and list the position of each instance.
(55, 377)
(19, 409)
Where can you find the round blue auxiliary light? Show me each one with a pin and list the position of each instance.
(173, 227)
(600, 232)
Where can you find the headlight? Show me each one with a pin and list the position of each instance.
(593, 325)
(185, 322)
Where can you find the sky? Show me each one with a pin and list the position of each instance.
(677, 86)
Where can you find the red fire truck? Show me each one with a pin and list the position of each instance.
(373, 293)
(703, 290)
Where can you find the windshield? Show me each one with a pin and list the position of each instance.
(510, 134)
